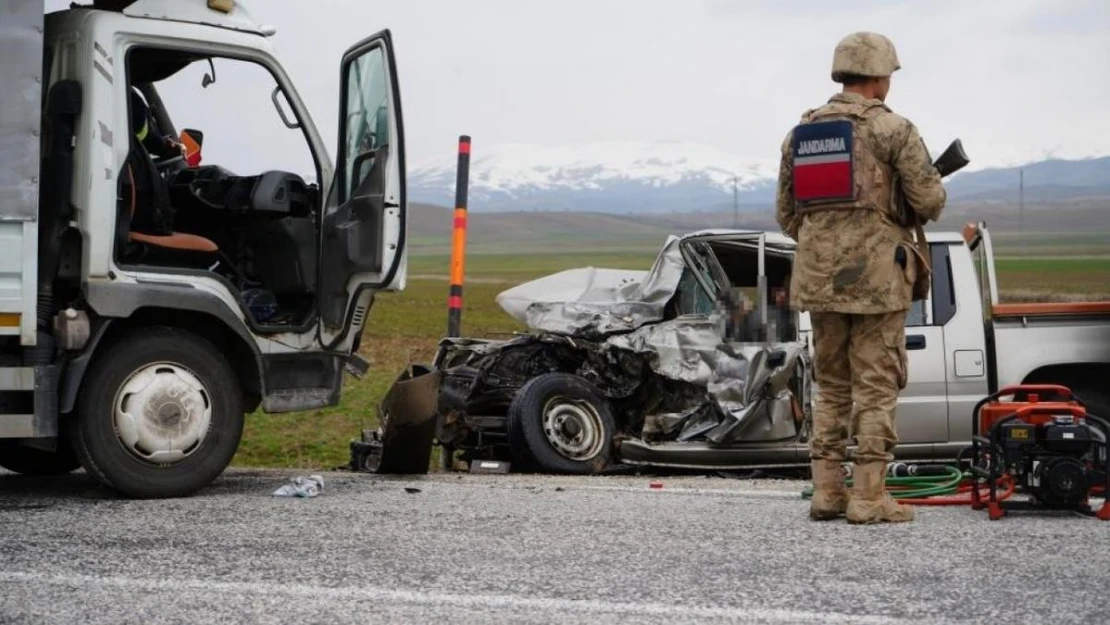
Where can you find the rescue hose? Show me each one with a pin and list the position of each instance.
(951, 487)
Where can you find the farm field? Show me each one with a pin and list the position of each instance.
(405, 327)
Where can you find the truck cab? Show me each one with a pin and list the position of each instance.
(163, 278)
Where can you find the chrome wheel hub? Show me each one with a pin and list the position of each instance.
(573, 428)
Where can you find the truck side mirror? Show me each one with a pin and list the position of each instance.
(192, 140)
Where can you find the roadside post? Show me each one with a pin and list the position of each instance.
(458, 241)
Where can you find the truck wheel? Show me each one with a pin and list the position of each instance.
(31, 461)
(161, 414)
(559, 422)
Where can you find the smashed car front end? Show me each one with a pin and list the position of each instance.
(692, 371)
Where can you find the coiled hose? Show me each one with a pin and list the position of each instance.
(947, 487)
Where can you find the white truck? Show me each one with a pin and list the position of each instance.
(148, 301)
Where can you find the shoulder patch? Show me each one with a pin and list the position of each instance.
(823, 163)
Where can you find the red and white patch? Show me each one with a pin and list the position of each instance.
(823, 167)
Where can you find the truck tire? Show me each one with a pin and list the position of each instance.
(560, 424)
(161, 414)
(31, 461)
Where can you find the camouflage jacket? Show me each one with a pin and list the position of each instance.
(848, 258)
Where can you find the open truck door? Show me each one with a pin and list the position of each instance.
(363, 233)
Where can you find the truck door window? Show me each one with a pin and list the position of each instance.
(940, 306)
(367, 118)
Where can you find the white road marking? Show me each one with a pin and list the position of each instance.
(440, 599)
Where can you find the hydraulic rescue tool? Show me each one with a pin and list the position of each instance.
(1044, 439)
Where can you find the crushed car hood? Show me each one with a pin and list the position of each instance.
(595, 302)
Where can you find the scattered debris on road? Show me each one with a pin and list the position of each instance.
(299, 486)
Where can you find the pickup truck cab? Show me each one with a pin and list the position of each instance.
(963, 344)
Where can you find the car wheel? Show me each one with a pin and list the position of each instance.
(560, 424)
(161, 414)
(32, 461)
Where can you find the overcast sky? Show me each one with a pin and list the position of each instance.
(1016, 79)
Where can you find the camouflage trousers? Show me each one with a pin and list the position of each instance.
(860, 358)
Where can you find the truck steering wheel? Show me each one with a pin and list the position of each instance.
(166, 163)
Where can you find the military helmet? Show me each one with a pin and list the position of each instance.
(864, 54)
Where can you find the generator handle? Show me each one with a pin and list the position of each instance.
(1034, 388)
(1014, 389)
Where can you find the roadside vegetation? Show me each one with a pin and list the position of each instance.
(405, 327)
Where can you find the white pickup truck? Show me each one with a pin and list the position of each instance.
(964, 344)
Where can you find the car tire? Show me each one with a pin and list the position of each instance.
(559, 423)
(160, 414)
(31, 461)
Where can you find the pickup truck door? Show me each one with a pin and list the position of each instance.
(363, 228)
(922, 415)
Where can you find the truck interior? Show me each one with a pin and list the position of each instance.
(258, 231)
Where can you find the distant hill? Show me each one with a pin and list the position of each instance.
(1045, 180)
(661, 178)
(1064, 224)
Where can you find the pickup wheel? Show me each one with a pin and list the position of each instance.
(161, 414)
(1097, 402)
(560, 424)
(31, 461)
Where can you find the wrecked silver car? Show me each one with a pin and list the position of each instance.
(695, 363)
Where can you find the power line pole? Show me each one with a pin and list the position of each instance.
(1021, 200)
(735, 204)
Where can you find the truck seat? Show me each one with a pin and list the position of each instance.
(171, 241)
(149, 217)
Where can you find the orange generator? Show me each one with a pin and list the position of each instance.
(1043, 439)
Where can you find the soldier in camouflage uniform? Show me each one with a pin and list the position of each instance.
(855, 267)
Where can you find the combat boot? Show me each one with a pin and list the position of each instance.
(869, 502)
(830, 497)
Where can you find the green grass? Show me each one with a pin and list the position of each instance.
(405, 327)
(1067, 276)
(524, 266)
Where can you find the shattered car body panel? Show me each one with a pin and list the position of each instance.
(690, 354)
(594, 302)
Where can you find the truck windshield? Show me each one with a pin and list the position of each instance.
(367, 115)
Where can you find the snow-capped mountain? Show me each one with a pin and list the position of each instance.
(678, 177)
(612, 177)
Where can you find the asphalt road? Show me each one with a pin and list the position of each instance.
(512, 549)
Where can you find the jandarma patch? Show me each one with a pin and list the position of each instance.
(823, 165)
